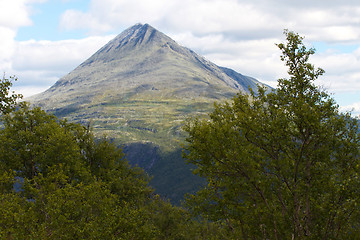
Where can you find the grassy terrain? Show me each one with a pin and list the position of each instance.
(138, 120)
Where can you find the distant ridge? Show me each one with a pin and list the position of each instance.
(138, 89)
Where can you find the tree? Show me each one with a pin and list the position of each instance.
(7, 101)
(103, 158)
(69, 182)
(33, 140)
(83, 210)
(280, 165)
(58, 181)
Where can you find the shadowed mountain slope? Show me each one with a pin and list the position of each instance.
(138, 89)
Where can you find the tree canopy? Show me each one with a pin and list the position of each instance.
(70, 185)
(7, 98)
(59, 181)
(280, 165)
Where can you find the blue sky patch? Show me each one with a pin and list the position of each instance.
(46, 17)
(322, 47)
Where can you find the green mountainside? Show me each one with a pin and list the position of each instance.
(137, 90)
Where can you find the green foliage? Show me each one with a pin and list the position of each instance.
(73, 185)
(57, 181)
(103, 159)
(7, 101)
(82, 211)
(58, 209)
(33, 140)
(282, 165)
(16, 217)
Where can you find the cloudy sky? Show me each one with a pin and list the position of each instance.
(42, 40)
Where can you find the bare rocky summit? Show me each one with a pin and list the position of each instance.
(143, 63)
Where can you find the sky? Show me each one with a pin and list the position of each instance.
(43, 40)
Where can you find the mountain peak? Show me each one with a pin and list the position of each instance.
(136, 33)
(135, 36)
(139, 36)
(144, 63)
(139, 88)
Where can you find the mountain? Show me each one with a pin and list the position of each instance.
(137, 90)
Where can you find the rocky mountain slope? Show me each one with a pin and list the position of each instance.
(137, 90)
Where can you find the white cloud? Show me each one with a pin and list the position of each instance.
(330, 20)
(39, 64)
(14, 14)
(73, 19)
(28, 91)
(107, 15)
(354, 109)
(60, 55)
(6, 47)
(342, 70)
(200, 16)
(218, 16)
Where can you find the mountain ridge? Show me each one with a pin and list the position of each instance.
(138, 89)
(141, 38)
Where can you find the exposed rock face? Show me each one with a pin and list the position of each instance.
(138, 89)
(143, 61)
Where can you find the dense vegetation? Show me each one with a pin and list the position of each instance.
(283, 164)
(58, 182)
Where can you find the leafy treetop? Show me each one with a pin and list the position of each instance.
(7, 100)
(280, 165)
